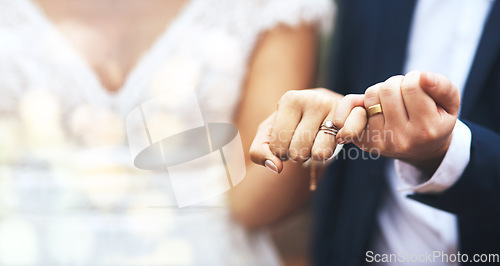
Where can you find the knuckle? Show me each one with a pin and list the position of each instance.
(307, 100)
(321, 102)
(428, 133)
(359, 111)
(278, 150)
(409, 88)
(371, 94)
(322, 153)
(391, 85)
(299, 155)
(394, 79)
(299, 159)
(413, 74)
(324, 99)
(411, 79)
(371, 98)
(321, 90)
(290, 97)
(349, 98)
(372, 90)
(291, 94)
(338, 121)
(386, 89)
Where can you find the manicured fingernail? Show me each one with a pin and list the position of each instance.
(340, 141)
(271, 166)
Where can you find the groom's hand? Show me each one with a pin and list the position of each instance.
(419, 112)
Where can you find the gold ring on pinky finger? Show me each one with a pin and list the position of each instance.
(374, 110)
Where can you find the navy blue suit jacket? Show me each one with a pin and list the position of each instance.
(370, 46)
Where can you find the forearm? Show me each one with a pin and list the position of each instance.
(264, 197)
(283, 60)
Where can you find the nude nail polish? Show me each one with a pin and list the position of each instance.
(271, 166)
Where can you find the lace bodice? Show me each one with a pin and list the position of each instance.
(67, 184)
(206, 47)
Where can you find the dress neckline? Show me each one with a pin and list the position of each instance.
(135, 77)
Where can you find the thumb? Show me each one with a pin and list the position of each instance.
(442, 91)
(260, 152)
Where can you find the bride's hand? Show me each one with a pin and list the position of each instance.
(291, 131)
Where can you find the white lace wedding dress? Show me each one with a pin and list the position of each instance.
(69, 193)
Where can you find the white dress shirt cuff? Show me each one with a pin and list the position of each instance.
(449, 171)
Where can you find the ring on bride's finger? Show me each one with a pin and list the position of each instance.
(329, 128)
(374, 110)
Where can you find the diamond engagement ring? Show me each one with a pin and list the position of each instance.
(329, 128)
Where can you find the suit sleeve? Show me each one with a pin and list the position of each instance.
(476, 194)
